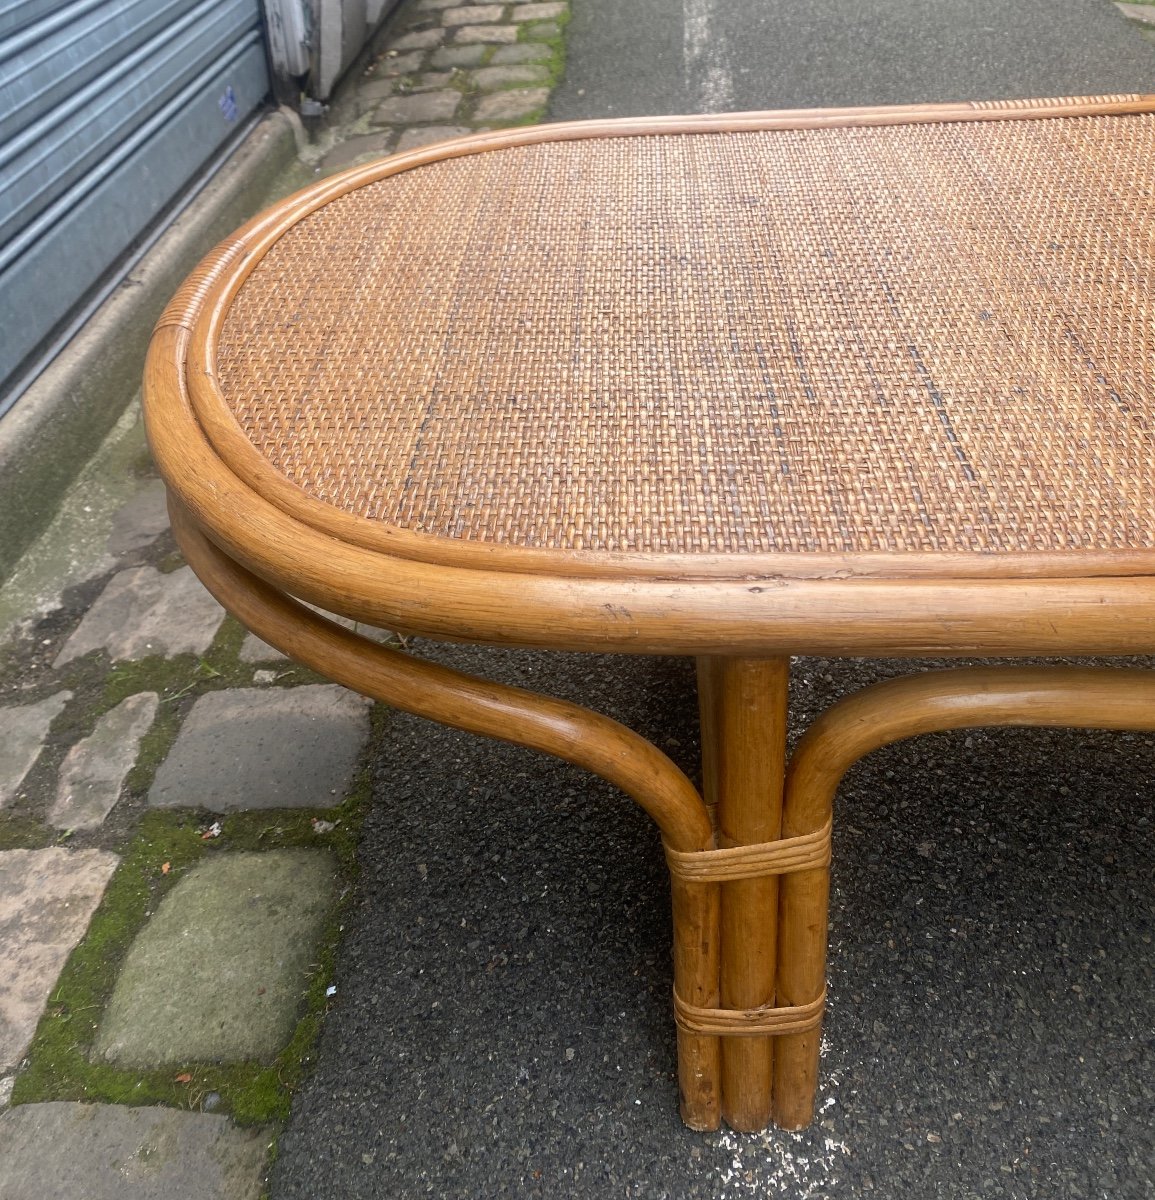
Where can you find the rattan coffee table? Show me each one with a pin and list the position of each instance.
(856, 382)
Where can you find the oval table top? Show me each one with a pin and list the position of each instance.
(836, 381)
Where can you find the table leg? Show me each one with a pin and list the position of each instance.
(743, 704)
(959, 698)
(709, 683)
(803, 904)
(695, 909)
(554, 726)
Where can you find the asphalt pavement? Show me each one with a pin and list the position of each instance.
(502, 1021)
(681, 56)
(502, 1024)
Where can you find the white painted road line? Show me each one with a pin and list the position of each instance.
(708, 80)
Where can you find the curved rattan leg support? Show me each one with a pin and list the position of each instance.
(513, 715)
(1075, 697)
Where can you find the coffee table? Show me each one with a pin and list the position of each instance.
(837, 382)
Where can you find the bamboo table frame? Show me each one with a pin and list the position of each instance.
(749, 856)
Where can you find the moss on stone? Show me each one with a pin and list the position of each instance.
(18, 832)
(166, 846)
(557, 45)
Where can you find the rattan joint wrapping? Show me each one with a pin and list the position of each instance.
(781, 857)
(748, 1022)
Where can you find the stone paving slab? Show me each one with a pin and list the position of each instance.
(459, 56)
(413, 139)
(73, 549)
(402, 64)
(255, 650)
(509, 106)
(23, 729)
(521, 52)
(65, 1151)
(374, 92)
(478, 14)
(410, 110)
(142, 611)
(46, 900)
(488, 78)
(348, 152)
(485, 34)
(419, 39)
(246, 748)
(432, 81)
(140, 520)
(1138, 12)
(539, 12)
(218, 973)
(94, 771)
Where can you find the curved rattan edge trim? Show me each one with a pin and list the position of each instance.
(748, 1022)
(186, 303)
(803, 853)
(214, 284)
(909, 618)
(754, 120)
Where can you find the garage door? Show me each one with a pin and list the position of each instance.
(108, 108)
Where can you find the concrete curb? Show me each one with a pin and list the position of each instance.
(61, 420)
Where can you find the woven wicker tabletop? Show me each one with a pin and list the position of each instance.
(907, 337)
(744, 387)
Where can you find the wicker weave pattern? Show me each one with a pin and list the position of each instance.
(924, 337)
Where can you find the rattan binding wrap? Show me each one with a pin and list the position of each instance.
(749, 1022)
(890, 338)
(807, 852)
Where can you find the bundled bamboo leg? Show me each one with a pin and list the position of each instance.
(696, 944)
(744, 745)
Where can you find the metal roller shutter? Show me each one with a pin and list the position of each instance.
(107, 109)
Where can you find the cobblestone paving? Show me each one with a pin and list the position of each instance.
(444, 70)
(148, 742)
(207, 919)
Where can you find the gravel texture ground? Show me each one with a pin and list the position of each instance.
(670, 56)
(503, 1024)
